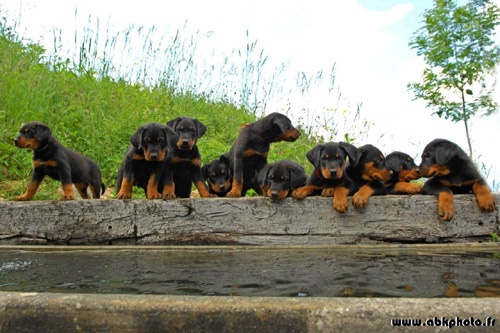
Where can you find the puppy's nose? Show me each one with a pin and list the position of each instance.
(153, 156)
(16, 140)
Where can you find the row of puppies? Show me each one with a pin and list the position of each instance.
(164, 161)
(342, 170)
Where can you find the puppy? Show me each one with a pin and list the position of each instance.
(369, 173)
(51, 158)
(218, 176)
(145, 161)
(185, 159)
(451, 171)
(404, 170)
(248, 154)
(279, 179)
(329, 177)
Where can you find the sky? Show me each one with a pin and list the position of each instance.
(367, 40)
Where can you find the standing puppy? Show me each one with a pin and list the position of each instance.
(248, 155)
(452, 171)
(51, 158)
(185, 159)
(145, 161)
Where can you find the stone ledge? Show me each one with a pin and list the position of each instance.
(46, 312)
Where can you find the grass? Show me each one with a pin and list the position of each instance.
(95, 113)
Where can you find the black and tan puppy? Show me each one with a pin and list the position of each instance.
(185, 159)
(451, 171)
(404, 170)
(145, 161)
(329, 177)
(218, 176)
(369, 173)
(279, 179)
(248, 154)
(51, 158)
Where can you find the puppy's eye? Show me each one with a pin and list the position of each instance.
(223, 172)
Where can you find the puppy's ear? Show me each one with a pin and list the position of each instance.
(314, 154)
(173, 123)
(298, 177)
(281, 121)
(204, 170)
(224, 158)
(351, 151)
(172, 136)
(136, 138)
(446, 151)
(262, 176)
(200, 128)
(42, 132)
(394, 162)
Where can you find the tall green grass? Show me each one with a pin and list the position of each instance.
(94, 108)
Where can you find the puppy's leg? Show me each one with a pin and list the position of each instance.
(484, 198)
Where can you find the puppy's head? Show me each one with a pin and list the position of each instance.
(189, 130)
(279, 179)
(372, 164)
(331, 158)
(154, 139)
(438, 156)
(32, 135)
(218, 175)
(282, 125)
(402, 166)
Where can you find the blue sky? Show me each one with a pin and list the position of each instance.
(366, 39)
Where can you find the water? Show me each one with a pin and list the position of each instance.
(239, 271)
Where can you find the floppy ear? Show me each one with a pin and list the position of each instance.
(262, 176)
(172, 137)
(173, 123)
(200, 128)
(43, 132)
(224, 158)
(360, 153)
(277, 119)
(204, 170)
(298, 178)
(393, 162)
(136, 138)
(314, 154)
(351, 151)
(445, 152)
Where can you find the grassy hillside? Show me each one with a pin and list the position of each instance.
(96, 115)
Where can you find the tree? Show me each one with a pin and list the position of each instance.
(461, 56)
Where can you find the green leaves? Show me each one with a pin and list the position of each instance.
(456, 43)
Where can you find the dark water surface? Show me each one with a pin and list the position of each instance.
(296, 272)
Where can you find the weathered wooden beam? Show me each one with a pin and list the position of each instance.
(256, 221)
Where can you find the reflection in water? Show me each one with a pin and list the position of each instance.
(254, 272)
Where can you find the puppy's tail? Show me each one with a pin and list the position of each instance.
(103, 188)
